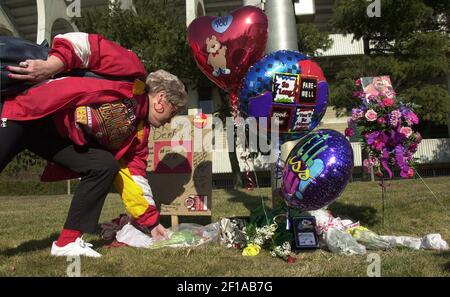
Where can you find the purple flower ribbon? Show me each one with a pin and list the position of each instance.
(384, 162)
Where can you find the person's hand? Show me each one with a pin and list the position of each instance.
(36, 70)
(159, 232)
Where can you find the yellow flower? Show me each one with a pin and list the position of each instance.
(251, 250)
(356, 230)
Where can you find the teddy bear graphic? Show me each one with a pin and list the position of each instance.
(216, 56)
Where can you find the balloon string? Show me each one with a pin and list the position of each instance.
(234, 101)
(278, 170)
(434, 195)
(251, 183)
(235, 113)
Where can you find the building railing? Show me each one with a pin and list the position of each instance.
(430, 152)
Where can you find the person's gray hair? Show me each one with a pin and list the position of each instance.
(162, 80)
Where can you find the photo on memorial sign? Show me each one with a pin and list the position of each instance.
(285, 88)
(196, 203)
(172, 159)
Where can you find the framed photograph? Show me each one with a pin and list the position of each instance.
(377, 85)
(305, 236)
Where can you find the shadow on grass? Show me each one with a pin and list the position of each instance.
(98, 243)
(366, 215)
(44, 243)
(446, 256)
(446, 267)
(248, 201)
(31, 246)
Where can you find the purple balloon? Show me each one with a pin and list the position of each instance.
(317, 170)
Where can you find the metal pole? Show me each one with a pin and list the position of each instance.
(285, 149)
(282, 36)
(282, 25)
(383, 196)
(257, 3)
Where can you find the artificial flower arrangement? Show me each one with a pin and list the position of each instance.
(386, 125)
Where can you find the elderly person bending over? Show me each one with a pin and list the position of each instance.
(95, 129)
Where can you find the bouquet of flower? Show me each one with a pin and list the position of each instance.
(262, 237)
(369, 239)
(263, 231)
(187, 235)
(386, 125)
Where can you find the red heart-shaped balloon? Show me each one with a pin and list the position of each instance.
(225, 47)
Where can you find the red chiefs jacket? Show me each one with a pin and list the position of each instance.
(114, 112)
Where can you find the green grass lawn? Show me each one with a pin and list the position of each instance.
(29, 224)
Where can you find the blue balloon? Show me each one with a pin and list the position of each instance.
(302, 109)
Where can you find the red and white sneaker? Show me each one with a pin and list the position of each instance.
(76, 248)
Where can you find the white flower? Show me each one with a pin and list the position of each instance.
(262, 235)
(282, 251)
(259, 241)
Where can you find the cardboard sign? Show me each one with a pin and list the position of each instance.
(180, 166)
(172, 159)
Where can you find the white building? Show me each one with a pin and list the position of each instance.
(39, 20)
